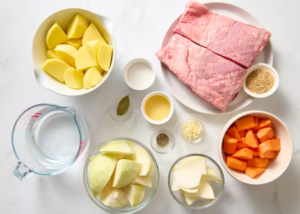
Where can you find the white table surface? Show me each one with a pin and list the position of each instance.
(139, 30)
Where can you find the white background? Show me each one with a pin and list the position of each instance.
(139, 30)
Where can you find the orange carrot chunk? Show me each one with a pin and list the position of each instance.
(237, 164)
(234, 133)
(251, 139)
(244, 154)
(272, 155)
(258, 162)
(241, 145)
(229, 144)
(256, 122)
(264, 149)
(253, 171)
(275, 144)
(254, 152)
(243, 139)
(243, 133)
(265, 134)
(264, 123)
(245, 123)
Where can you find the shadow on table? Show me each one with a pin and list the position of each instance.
(279, 196)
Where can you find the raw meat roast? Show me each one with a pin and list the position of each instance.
(234, 40)
(209, 75)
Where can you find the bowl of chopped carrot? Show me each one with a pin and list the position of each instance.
(255, 147)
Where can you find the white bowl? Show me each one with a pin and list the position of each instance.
(268, 68)
(126, 71)
(157, 122)
(276, 166)
(39, 48)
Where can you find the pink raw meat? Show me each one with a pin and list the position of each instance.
(227, 37)
(209, 75)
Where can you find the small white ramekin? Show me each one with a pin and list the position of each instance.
(131, 63)
(157, 122)
(265, 67)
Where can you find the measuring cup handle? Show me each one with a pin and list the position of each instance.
(21, 171)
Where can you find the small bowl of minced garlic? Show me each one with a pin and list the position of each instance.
(192, 130)
(261, 80)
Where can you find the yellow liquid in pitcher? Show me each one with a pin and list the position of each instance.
(157, 107)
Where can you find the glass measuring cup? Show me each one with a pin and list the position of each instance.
(47, 139)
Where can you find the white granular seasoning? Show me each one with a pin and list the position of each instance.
(191, 130)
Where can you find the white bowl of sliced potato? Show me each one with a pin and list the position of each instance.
(73, 51)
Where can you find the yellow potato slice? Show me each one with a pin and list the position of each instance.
(77, 43)
(93, 47)
(80, 71)
(91, 34)
(73, 78)
(66, 53)
(55, 36)
(84, 60)
(77, 27)
(91, 78)
(104, 56)
(51, 54)
(56, 68)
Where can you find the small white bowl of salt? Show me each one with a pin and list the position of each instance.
(139, 74)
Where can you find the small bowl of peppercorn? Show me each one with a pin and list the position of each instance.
(162, 140)
(261, 80)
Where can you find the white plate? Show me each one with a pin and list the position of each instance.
(189, 98)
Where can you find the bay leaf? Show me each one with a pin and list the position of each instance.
(123, 106)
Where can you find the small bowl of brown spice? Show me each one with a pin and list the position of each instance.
(261, 80)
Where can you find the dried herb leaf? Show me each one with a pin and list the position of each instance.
(123, 106)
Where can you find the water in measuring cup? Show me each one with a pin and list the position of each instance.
(54, 139)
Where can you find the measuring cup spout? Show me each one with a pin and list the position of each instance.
(21, 171)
